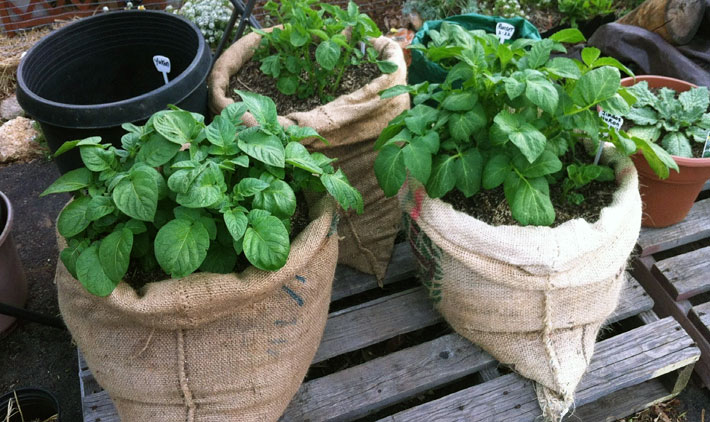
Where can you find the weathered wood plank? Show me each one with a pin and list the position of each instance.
(633, 300)
(686, 274)
(622, 403)
(353, 391)
(365, 388)
(349, 281)
(99, 408)
(375, 321)
(357, 391)
(695, 227)
(681, 310)
(622, 361)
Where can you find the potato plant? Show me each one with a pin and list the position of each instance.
(189, 197)
(509, 115)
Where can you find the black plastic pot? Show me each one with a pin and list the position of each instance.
(89, 77)
(36, 404)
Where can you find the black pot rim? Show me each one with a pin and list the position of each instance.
(21, 391)
(5, 226)
(113, 113)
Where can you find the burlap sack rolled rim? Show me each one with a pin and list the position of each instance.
(157, 307)
(232, 60)
(516, 245)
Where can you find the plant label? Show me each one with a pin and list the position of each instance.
(612, 120)
(706, 148)
(504, 31)
(162, 65)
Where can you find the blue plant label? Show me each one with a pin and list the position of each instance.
(706, 148)
(504, 31)
(612, 120)
(162, 64)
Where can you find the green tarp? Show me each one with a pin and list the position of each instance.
(422, 69)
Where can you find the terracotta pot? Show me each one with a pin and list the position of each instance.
(13, 286)
(668, 201)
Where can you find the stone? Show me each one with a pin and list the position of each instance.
(10, 108)
(18, 141)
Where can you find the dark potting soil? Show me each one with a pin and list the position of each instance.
(250, 78)
(300, 218)
(491, 207)
(31, 354)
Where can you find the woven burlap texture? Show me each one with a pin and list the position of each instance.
(350, 123)
(533, 297)
(209, 347)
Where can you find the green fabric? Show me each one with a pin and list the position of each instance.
(422, 69)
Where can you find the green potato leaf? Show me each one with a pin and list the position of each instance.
(115, 253)
(339, 187)
(181, 247)
(73, 219)
(262, 146)
(91, 274)
(469, 172)
(70, 181)
(266, 243)
(137, 195)
(443, 177)
(390, 169)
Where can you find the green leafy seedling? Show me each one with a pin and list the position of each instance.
(674, 120)
(309, 55)
(189, 197)
(509, 115)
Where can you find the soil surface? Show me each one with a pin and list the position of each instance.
(252, 79)
(491, 207)
(34, 355)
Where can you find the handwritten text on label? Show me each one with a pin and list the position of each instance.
(504, 31)
(162, 64)
(612, 120)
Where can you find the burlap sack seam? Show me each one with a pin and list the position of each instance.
(183, 377)
(371, 256)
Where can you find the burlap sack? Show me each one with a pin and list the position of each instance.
(209, 347)
(533, 297)
(350, 123)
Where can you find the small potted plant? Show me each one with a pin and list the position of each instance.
(324, 67)
(521, 234)
(191, 269)
(676, 118)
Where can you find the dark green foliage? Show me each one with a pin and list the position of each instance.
(189, 196)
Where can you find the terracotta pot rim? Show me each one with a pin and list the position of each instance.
(641, 78)
(6, 225)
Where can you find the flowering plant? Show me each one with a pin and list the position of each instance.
(211, 16)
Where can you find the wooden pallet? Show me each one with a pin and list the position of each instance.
(673, 265)
(387, 356)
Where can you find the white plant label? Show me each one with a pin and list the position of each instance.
(612, 120)
(504, 31)
(706, 148)
(162, 65)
